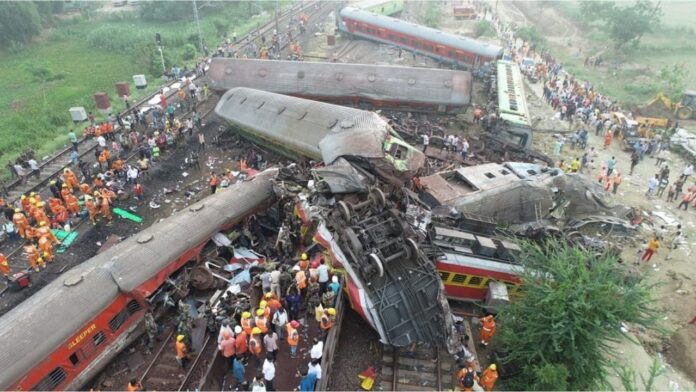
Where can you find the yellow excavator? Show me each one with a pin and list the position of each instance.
(683, 110)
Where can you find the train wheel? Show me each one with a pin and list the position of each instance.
(412, 248)
(374, 260)
(377, 197)
(684, 113)
(353, 242)
(345, 210)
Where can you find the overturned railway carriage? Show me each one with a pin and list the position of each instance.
(514, 118)
(301, 128)
(62, 336)
(463, 52)
(360, 85)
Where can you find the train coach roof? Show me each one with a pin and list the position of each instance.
(434, 35)
(46, 320)
(379, 82)
(319, 130)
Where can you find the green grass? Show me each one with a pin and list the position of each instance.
(27, 119)
(636, 81)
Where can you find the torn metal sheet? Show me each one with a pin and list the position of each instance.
(342, 177)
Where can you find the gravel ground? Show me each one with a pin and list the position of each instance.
(358, 348)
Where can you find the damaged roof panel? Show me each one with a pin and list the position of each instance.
(384, 83)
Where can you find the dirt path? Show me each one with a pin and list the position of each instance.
(676, 290)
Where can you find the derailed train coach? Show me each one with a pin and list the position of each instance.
(62, 336)
(359, 85)
(304, 129)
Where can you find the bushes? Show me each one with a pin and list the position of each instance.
(165, 10)
(189, 52)
(432, 15)
(19, 22)
(483, 28)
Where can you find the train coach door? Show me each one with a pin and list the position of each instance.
(382, 33)
(461, 59)
(441, 51)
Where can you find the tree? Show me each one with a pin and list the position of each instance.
(595, 10)
(483, 27)
(572, 305)
(674, 80)
(19, 22)
(627, 25)
(165, 10)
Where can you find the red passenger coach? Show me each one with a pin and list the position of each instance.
(62, 336)
(464, 52)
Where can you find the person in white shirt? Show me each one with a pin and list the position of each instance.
(101, 141)
(317, 349)
(315, 367)
(225, 327)
(269, 372)
(426, 141)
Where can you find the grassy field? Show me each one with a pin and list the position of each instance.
(635, 80)
(34, 112)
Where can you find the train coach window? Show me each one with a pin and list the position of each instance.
(444, 276)
(99, 338)
(74, 359)
(371, 31)
(50, 382)
(403, 40)
(459, 279)
(133, 306)
(429, 47)
(392, 37)
(118, 320)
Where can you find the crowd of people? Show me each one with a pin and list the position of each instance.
(88, 190)
(296, 302)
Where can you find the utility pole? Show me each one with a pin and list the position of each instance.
(276, 18)
(198, 23)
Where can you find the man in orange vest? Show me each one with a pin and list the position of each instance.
(24, 202)
(181, 351)
(489, 377)
(247, 323)
(134, 385)
(240, 342)
(34, 258)
(326, 323)
(85, 189)
(21, 222)
(487, 330)
(256, 346)
(293, 337)
(45, 231)
(4, 266)
(65, 191)
(260, 321)
(105, 205)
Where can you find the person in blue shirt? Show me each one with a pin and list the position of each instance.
(335, 286)
(307, 382)
(238, 371)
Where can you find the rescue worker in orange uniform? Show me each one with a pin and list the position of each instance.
(4, 266)
(31, 208)
(109, 194)
(21, 222)
(73, 204)
(40, 213)
(487, 329)
(60, 217)
(260, 321)
(53, 204)
(240, 342)
(293, 337)
(326, 323)
(104, 158)
(134, 385)
(24, 202)
(467, 377)
(247, 323)
(34, 257)
(46, 249)
(105, 206)
(65, 191)
(30, 232)
(489, 377)
(70, 179)
(92, 209)
(266, 310)
(85, 189)
(181, 350)
(255, 345)
(45, 231)
(36, 197)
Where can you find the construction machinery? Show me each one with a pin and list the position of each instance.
(683, 110)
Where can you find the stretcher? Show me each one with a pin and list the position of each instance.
(66, 242)
(127, 215)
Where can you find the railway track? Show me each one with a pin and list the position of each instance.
(426, 369)
(55, 164)
(164, 373)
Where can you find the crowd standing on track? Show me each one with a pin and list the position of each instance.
(263, 341)
(85, 191)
